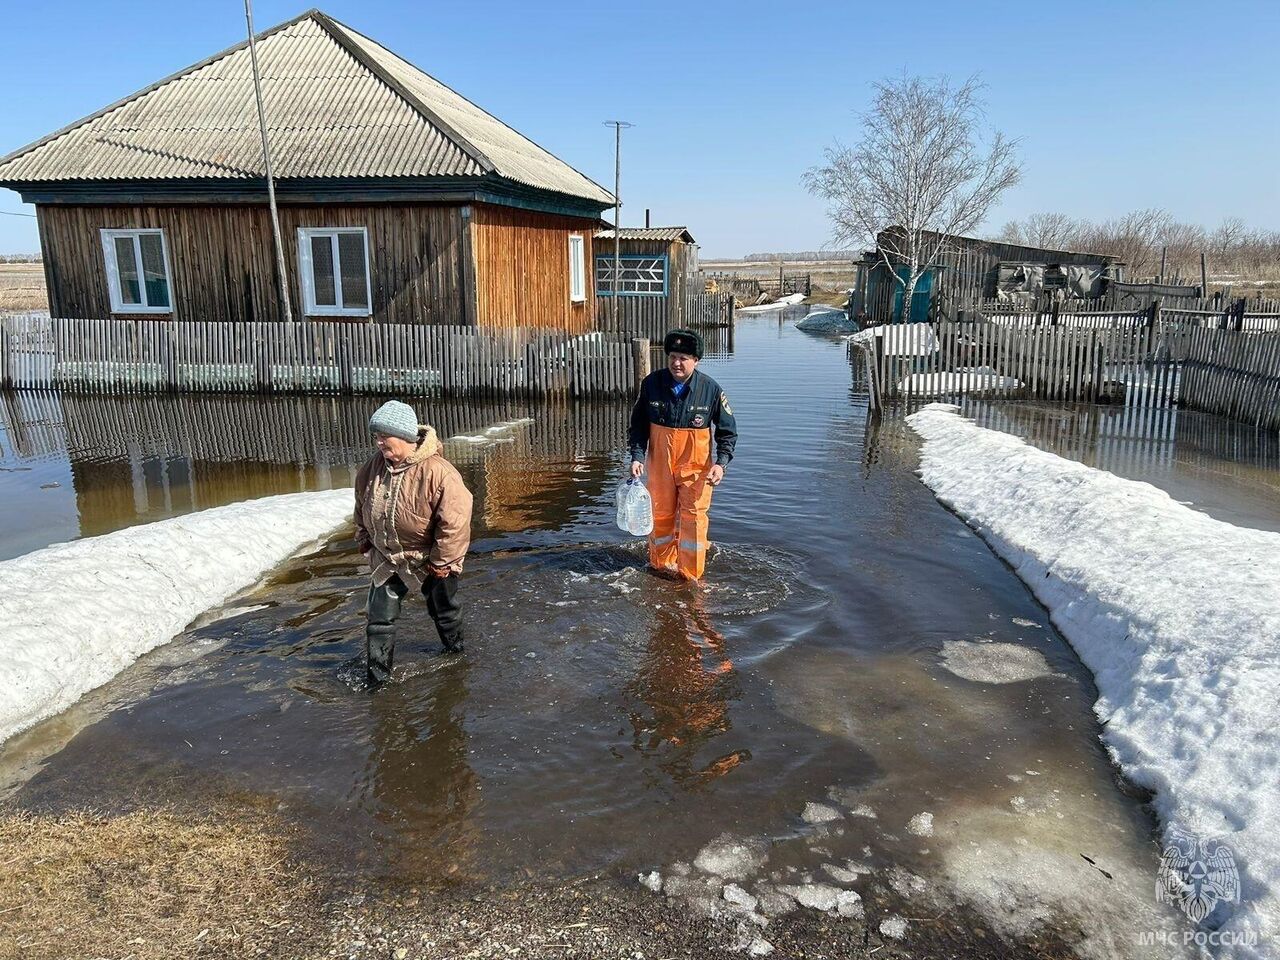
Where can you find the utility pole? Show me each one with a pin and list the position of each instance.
(266, 156)
(617, 213)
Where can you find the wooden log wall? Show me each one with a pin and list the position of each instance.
(522, 270)
(331, 357)
(222, 259)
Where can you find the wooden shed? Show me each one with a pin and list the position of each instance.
(658, 267)
(970, 270)
(400, 201)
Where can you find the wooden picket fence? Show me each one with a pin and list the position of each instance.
(1130, 361)
(37, 352)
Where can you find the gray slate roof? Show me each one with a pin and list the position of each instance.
(338, 105)
(668, 234)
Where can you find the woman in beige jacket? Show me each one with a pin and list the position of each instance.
(413, 525)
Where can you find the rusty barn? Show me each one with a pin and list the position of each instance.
(401, 202)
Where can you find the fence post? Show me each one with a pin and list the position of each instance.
(1153, 314)
(169, 355)
(6, 375)
(639, 359)
(344, 365)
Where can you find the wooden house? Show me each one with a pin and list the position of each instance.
(658, 267)
(970, 270)
(400, 201)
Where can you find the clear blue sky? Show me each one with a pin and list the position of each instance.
(1119, 105)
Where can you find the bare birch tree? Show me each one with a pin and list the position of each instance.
(920, 168)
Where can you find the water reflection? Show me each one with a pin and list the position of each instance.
(421, 783)
(686, 683)
(78, 465)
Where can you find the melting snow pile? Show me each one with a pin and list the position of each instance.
(790, 300)
(826, 320)
(1176, 614)
(76, 614)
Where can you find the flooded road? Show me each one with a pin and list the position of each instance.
(859, 686)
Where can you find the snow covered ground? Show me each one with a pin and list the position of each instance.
(76, 614)
(790, 300)
(1178, 617)
(968, 379)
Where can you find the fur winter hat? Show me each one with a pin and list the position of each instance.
(683, 341)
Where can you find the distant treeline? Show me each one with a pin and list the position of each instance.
(1232, 248)
(19, 258)
(805, 255)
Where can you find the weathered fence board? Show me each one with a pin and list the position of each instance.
(1154, 364)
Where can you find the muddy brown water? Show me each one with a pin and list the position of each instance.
(843, 650)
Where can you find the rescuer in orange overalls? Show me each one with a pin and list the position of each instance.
(679, 416)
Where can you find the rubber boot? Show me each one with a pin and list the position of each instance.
(380, 632)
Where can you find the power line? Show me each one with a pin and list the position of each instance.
(10, 213)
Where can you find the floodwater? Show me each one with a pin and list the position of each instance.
(854, 645)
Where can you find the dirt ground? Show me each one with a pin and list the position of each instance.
(22, 287)
(235, 883)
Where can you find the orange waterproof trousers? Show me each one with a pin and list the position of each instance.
(677, 465)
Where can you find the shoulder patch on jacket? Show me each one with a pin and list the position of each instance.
(724, 403)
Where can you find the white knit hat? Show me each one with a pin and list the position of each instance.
(395, 419)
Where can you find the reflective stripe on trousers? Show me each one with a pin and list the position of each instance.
(677, 465)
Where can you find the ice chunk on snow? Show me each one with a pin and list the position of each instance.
(1186, 658)
(774, 903)
(921, 825)
(840, 874)
(993, 662)
(735, 895)
(652, 881)
(815, 896)
(732, 858)
(820, 813)
(862, 810)
(849, 904)
(894, 927)
(76, 614)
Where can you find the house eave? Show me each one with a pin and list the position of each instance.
(447, 190)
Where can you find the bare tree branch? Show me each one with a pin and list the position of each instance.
(919, 176)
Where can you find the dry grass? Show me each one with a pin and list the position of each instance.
(147, 885)
(22, 287)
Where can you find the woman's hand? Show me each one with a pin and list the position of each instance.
(637, 469)
(440, 572)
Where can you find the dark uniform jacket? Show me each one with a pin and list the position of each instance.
(701, 405)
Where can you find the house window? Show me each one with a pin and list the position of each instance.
(577, 269)
(640, 276)
(334, 264)
(137, 271)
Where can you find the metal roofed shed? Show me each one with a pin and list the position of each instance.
(659, 273)
(400, 200)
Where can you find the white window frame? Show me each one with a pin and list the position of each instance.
(308, 278)
(577, 268)
(118, 305)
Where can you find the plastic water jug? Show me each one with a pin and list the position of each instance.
(634, 508)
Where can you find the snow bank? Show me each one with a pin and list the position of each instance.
(900, 339)
(1176, 614)
(76, 614)
(790, 300)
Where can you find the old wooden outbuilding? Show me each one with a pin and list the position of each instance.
(658, 267)
(400, 200)
(970, 270)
